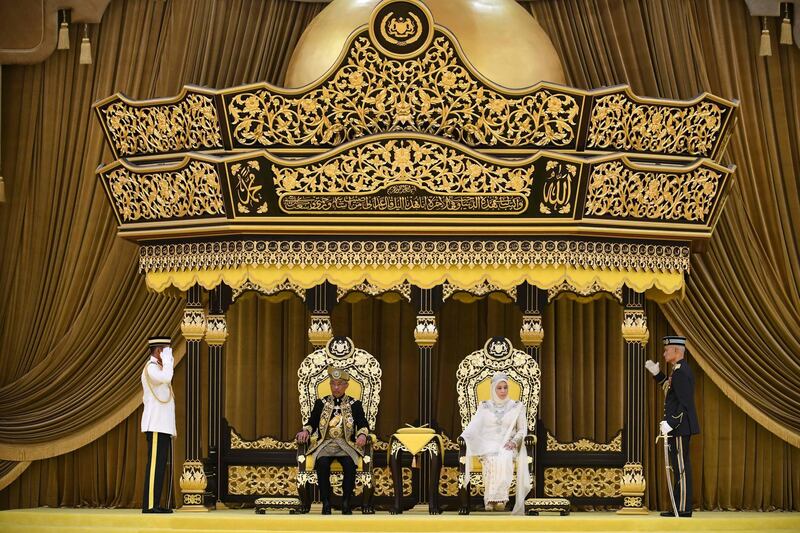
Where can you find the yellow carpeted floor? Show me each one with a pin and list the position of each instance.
(128, 520)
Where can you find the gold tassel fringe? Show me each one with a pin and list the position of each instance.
(86, 48)
(786, 31)
(63, 36)
(766, 48)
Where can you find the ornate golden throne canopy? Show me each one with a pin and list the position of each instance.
(405, 145)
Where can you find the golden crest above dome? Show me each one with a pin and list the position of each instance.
(500, 39)
(401, 29)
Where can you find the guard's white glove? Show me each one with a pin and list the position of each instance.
(651, 367)
(665, 428)
(166, 355)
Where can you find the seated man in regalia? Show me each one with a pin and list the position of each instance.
(341, 428)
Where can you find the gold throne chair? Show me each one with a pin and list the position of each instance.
(365, 385)
(473, 382)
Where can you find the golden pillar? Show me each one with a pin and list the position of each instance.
(193, 478)
(636, 334)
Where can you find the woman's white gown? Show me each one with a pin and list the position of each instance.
(490, 429)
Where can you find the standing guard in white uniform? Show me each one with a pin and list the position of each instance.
(158, 420)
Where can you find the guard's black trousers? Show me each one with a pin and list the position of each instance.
(323, 467)
(158, 450)
(682, 471)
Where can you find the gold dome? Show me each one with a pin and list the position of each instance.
(499, 37)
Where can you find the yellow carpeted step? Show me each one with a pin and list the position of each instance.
(129, 520)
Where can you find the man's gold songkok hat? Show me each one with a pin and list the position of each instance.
(338, 373)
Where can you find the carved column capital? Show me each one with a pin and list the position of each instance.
(532, 333)
(320, 331)
(634, 326)
(216, 330)
(193, 325)
(426, 333)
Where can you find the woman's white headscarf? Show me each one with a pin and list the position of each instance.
(497, 378)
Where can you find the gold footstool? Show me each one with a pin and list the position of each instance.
(292, 505)
(534, 506)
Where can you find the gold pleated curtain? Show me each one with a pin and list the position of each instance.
(742, 307)
(76, 313)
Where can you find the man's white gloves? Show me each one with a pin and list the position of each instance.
(665, 428)
(166, 356)
(651, 367)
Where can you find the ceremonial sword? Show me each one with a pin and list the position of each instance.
(668, 468)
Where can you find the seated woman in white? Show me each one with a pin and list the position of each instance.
(496, 435)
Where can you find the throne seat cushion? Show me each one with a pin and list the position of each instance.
(335, 466)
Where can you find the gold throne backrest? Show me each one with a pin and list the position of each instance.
(474, 376)
(365, 376)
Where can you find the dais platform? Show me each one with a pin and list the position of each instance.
(130, 520)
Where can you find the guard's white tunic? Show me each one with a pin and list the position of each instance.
(158, 416)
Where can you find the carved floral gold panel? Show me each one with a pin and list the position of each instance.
(620, 123)
(584, 445)
(618, 191)
(262, 480)
(412, 175)
(264, 443)
(372, 93)
(583, 482)
(426, 165)
(382, 479)
(142, 196)
(188, 124)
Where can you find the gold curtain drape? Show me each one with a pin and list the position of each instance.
(742, 307)
(76, 311)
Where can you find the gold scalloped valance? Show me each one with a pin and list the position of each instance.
(586, 267)
(660, 285)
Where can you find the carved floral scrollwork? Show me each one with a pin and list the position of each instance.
(481, 289)
(384, 485)
(371, 93)
(434, 167)
(583, 482)
(403, 289)
(617, 191)
(594, 289)
(264, 443)
(286, 286)
(584, 445)
(191, 191)
(189, 124)
(617, 122)
(262, 480)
